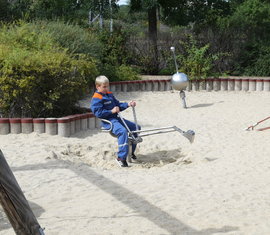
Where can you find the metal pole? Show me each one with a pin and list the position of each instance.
(173, 51)
(135, 118)
(122, 119)
(154, 129)
(157, 132)
(183, 96)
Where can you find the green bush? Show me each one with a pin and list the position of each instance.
(125, 72)
(195, 62)
(114, 51)
(4, 10)
(119, 73)
(115, 56)
(70, 36)
(38, 78)
(260, 63)
(249, 26)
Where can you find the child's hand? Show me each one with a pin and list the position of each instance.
(132, 103)
(115, 109)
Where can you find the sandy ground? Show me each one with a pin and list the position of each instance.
(220, 184)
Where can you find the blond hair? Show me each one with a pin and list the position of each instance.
(101, 80)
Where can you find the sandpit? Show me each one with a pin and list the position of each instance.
(218, 185)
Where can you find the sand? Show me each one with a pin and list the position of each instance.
(220, 184)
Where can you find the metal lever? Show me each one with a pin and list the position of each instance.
(131, 134)
(173, 51)
(135, 118)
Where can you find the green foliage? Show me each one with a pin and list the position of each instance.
(195, 61)
(260, 66)
(50, 9)
(135, 18)
(37, 76)
(138, 5)
(113, 47)
(4, 10)
(115, 56)
(70, 36)
(252, 22)
(252, 18)
(119, 73)
(43, 9)
(183, 12)
(145, 59)
(239, 28)
(67, 10)
(124, 72)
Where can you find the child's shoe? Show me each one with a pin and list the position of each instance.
(121, 162)
(133, 156)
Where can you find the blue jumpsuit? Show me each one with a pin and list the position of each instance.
(101, 106)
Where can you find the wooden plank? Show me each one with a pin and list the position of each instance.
(15, 204)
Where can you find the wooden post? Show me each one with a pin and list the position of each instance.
(15, 204)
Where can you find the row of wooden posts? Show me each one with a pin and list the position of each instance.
(64, 126)
(210, 84)
(69, 125)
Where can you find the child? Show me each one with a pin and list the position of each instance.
(104, 105)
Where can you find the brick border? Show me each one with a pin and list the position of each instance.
(209, 84)
(63, 126)
(69, 125)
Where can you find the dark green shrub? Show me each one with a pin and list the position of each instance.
(70, 36)
(260, 64)
(249, 26)
(4, 10)
(38, 78)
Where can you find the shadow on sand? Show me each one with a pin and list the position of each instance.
(159, 217)
(200, 105)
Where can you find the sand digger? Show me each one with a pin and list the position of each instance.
(136, 136)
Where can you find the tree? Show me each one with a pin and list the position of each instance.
(251, 19)
(151, 6)
(69, 10)
(183, 12)
(178, 12)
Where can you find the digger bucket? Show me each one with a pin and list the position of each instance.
(190, 134)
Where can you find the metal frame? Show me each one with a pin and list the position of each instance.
(190, 134)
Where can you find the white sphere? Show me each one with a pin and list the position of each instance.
(179, 81)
